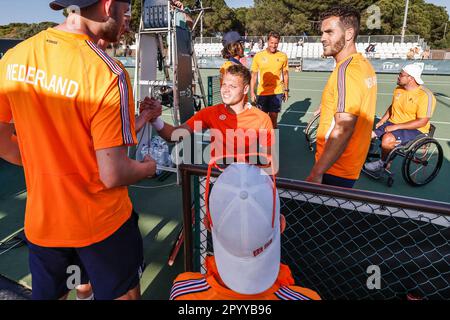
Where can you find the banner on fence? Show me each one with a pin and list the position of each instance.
(440, 67)
(383, 66)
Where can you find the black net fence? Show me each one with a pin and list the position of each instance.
(214, 96)
(350, 244)
(214, 90)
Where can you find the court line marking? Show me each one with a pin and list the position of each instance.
(382, 81)
(299, 126)
(379, 82)
(308, 112)
(378, 93)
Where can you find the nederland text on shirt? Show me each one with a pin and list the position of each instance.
(37, 77)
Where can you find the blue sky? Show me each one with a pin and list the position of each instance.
(30, 11)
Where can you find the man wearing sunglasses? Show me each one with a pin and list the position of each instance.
(408, 115)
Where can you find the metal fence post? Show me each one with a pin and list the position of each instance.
(187, 219)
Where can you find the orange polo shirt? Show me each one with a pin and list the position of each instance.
(351, 88)
(270, 68)
(411, 105)
(67, 99)
(234, 133)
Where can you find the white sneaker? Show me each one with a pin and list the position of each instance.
(91, 297)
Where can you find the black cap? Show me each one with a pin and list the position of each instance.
(61, 4)
(231, 37)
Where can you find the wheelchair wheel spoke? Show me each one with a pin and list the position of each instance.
(423, 163)
(417, 170)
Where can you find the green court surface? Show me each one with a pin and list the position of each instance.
(159, 203)
(305, 94)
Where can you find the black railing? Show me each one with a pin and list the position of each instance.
(336, 237)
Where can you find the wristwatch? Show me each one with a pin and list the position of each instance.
(287, 90)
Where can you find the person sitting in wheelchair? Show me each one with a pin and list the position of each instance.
(407, 117)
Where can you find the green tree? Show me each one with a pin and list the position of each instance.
(293, 17)
(135, 15)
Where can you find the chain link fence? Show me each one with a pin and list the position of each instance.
(214, 90)
(352, 244)
(214, 96)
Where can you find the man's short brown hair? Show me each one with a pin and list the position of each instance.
(273, 34)
(241, 71)
(349, 17)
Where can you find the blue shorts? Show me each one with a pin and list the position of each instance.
(403, 135)
(113, 266)
(331, 180)
(270, 103)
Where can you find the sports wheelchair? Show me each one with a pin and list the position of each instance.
(422, 161)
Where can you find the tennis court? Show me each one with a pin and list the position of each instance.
(159, 202)
(305, 94)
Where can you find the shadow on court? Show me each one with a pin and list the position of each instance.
(295, 158)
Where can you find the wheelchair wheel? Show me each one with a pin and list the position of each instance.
(311, 131)
(422, 162)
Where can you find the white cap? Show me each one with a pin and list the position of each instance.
(245, 228)
(415, 71)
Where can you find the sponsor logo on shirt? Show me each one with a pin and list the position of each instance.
(222, 117)
(371, 82)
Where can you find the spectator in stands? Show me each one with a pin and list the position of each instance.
(417, 54)
(261, 44)
(348, 103)
(407, 117)
(371, 47)
(246, 241)
(271, 70)
(370, 50)
(426, 54)
(410, 54)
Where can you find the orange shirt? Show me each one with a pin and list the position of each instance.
(270, 68)
(228, 130)
(209, 286)
(351, 88)
(411, 105)
(67, 99)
